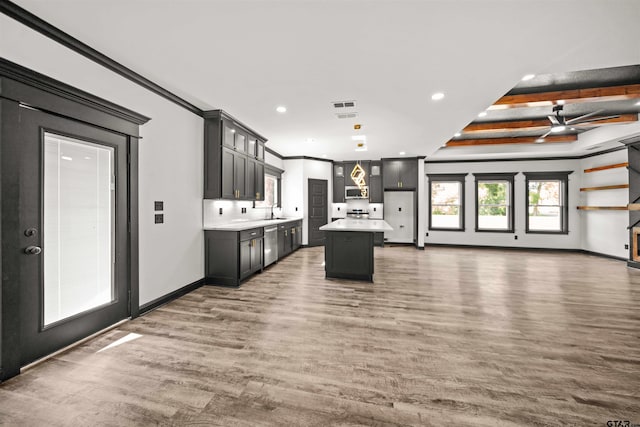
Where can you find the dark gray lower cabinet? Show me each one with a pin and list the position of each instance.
(232, 256)
(378, 239)
(289, 238)
(349, 255)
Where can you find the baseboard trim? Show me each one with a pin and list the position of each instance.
(152, 305)
(528, 248)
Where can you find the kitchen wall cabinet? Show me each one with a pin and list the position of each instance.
(234, 159)
(400, 174)
(232, 256)
(376, 194)
(338, 182)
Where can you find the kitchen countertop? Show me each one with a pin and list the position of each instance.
(348, 224)
(247, 224)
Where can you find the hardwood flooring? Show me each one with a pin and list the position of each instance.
(445, 336)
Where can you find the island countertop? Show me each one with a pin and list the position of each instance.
(349, 224)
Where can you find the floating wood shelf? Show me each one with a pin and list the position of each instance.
(602, 168)
(603, 208)
(605, 187)
(634, 206)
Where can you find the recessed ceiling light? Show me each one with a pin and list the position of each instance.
(539, 140)
(437, 96)
(638, 103)
(484, 113)
(457, 134)
(309, 140)
(359, 137)
(528, 77)
(402, 153)
(281, 109)
(560, 102)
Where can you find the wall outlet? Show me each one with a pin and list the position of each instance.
(375, 209)
(159, 218)
(626, 246)
(244, 210)
(220, 211)
(338, 208)
(426, 234)
(158, 206)
(515, 237)
(296, 209)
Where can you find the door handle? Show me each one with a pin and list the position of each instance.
(33, 250)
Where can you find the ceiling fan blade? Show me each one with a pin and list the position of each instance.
(597, 119)
(584, 116)
(545, 135)
(553, 120)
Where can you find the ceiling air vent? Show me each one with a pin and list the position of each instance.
(346, 115)
(344, 104)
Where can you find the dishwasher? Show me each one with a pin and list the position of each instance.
(270, 245)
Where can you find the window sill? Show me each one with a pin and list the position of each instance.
(545, 232)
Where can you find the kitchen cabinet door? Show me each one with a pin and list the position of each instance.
(391, 174)
(252, 146)
(228, 174)
(250, 182)
(228, 134)
(239, 175)
(259, 193)
(408, 174)
(375, 182)
(245, 258)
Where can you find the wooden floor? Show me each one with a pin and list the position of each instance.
(443, 337)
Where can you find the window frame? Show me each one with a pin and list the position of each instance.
(563, 177)
(273, 171)
(503, 176)
(447, 177)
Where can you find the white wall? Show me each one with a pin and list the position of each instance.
(471, 237)
(295, 188)
(605, 231)
(171, 158)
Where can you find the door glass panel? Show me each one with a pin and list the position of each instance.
(79, 223)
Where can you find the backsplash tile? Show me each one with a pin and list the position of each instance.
(232, 211)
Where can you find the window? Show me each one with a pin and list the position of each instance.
(494, 202)
(446, 198)
(547, 208)
(272, 188)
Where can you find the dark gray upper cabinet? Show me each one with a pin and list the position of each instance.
(375, 182)
(338, 182)
(400, 174)
(234, 159)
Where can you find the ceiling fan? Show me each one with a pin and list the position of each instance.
(559, 123)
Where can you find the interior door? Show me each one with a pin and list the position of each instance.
(69, 247)
(317, 210)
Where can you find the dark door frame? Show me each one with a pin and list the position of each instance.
(309, 210)
(21, 86)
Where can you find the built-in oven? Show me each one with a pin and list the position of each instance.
(270, 245)
(353, 192)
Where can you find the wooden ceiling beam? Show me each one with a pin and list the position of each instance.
(613, 93)
(511, 140)
(537, 124)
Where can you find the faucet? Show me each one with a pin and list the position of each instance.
(271, 211)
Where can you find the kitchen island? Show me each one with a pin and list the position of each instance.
(348, 247)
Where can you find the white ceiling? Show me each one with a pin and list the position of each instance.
(247, 57)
